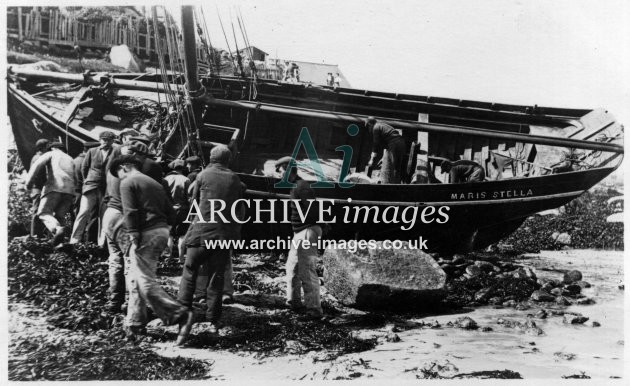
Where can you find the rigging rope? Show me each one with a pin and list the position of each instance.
(205, 26)
(226, 40)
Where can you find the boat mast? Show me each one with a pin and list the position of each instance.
(195, 89)
(190, 50)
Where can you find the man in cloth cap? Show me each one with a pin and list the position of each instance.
(92, 227)
(94, 169)
(215, 182)
(147, 214)
(58, 190)
(385, 137)
(193, 164)
(301, 266)
(38, 181)
(150, 167)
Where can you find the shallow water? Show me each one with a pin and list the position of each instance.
(562, 350)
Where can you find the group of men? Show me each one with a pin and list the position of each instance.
(141, 211)
(394, 164)
(137, 211)
(333, 81)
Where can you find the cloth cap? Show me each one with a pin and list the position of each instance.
(141, 138)
(220, 154)
(129, 132)
(41, 144)
(106, 135)
(126, 159)
(139, 147)
(370, 119)
(177, 164)
(57, 145)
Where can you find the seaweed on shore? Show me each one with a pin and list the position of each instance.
(37, 358)
(584, 219)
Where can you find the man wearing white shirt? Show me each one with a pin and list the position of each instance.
(58, 191)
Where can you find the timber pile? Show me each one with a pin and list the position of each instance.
(94, 27)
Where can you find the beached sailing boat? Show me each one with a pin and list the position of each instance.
(519, 146)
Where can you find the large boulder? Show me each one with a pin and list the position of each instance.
(122, 56)
(381, 278)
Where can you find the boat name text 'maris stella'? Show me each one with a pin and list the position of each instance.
(495, 194)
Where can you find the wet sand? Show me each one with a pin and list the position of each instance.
(563, 349)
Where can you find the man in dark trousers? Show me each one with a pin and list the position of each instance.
(92, 226)
(463, 171)
(386, 137)
(37, 227)
(147, 214)
(216, 182)
(78, 163)
(301, 266)
(79, 54)
(94, 169)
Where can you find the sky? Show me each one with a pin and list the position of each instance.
(554, 53)
(548, 52)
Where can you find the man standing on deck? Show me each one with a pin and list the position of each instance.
(94, 169)
(301, 264)
(215, 182)
(37, 227)
(147, 214)
(330, 80)
(337, 81)
(463, 171)
(386, 137)
(58, 190)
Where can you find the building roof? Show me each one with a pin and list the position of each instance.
(253, 47)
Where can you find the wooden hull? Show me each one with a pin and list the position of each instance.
(478, 213)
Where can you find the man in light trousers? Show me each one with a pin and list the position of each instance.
(93, 169)
(302, 260)
(147, 214)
